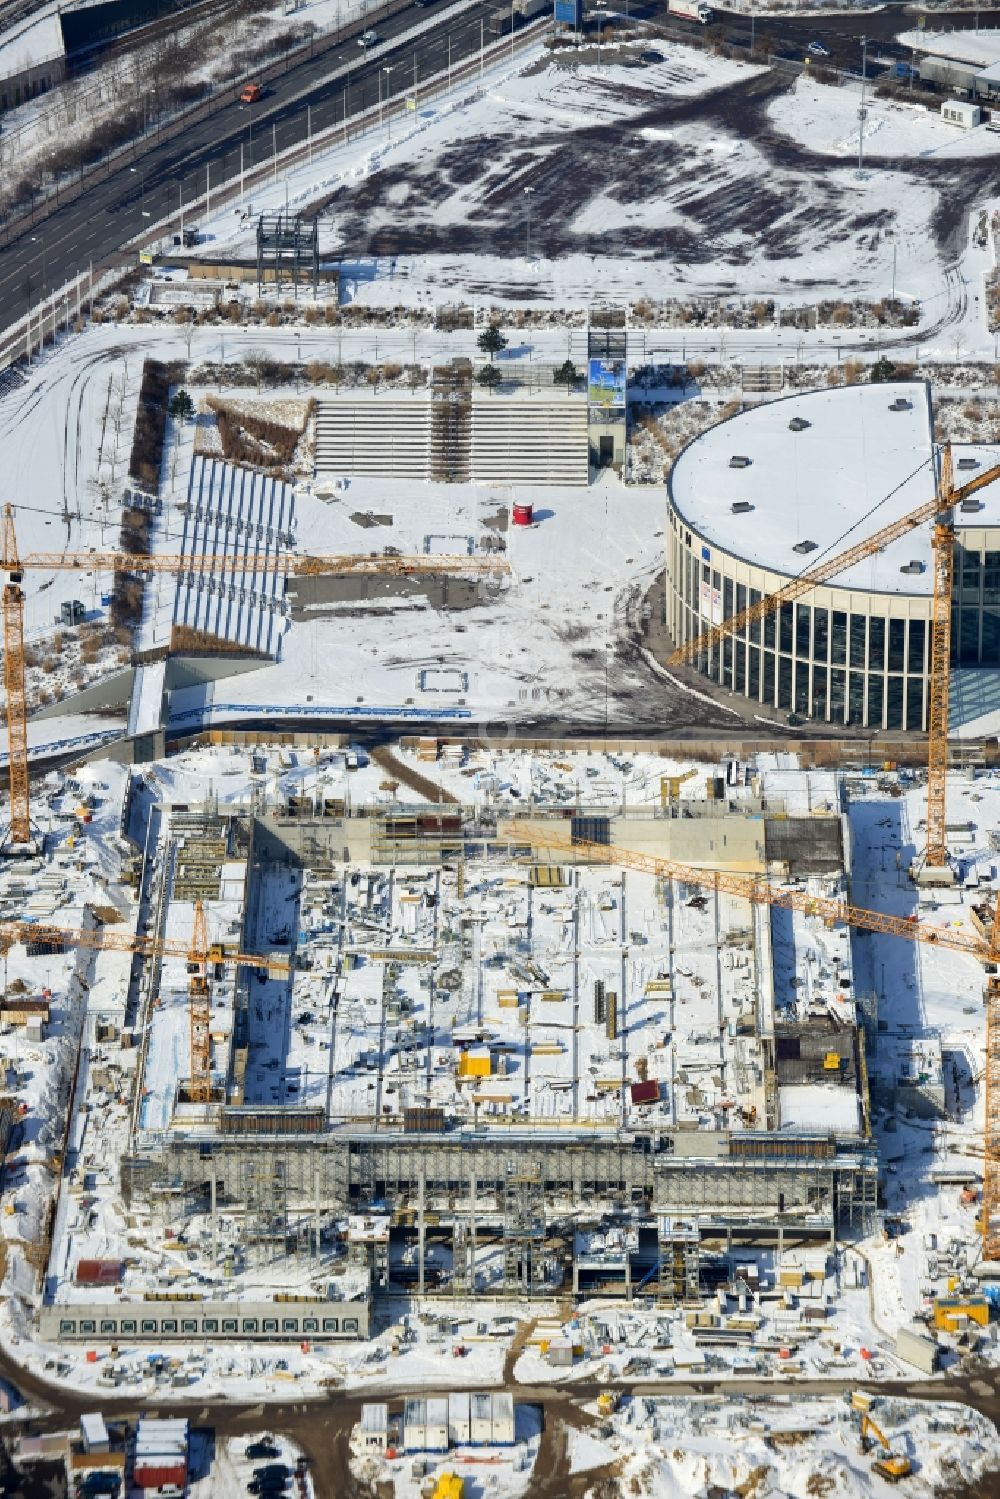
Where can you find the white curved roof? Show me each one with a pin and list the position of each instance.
(856, 467)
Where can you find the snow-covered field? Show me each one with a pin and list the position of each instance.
(785, 1449)
(825, 119)
(629, 173)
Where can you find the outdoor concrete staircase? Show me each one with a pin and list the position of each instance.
(385, 435)
(529, 439)
(762, 379)
(451, 422)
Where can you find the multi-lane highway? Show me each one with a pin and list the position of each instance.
(149, 187)
(416, 42)
(839, 32)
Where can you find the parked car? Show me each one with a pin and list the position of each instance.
(263, 1448)
(816, 49)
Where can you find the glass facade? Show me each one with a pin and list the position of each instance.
(864, 665)
(975, 618)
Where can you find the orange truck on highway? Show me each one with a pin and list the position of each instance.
(251, 93)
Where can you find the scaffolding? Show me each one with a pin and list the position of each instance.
(523, 1231)
(288, 247)
(679, 1261)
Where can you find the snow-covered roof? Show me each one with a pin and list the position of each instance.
(981, 48)
(374, 1418)
(31, 45)
(93, 1429)
(818, 1107)
(146, 701)
(858, 465)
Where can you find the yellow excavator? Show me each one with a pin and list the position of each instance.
(889, 1466)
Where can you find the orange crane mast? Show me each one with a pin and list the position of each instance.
(13, 673)
(945, 498)
(756, 890)
(200, 1011)
(938, 697)
(292, 564)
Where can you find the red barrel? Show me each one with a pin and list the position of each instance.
(522, 514)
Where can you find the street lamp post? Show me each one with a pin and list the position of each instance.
(862, 112)
(141, 174)
(36, 239)
(387, 69)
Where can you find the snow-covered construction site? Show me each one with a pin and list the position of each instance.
(457, 1021)
(499, 852)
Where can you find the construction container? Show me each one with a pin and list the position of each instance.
(560, 1353)
(951, 1313)
(475, 1062)
(423, 1121)
(156, 1473)
(414, 1425)
(459, 1416)
(98, 1272)
(436, 1425)
(481, 1419)
(502, 1412)
(917, 1349)
(373, 1435)
(94, 1433)
(521, 514)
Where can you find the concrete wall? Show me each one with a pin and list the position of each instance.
(27, 83)
(112, 692)
(195, 671)
(313, 839)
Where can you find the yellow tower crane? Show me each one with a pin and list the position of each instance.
(548, 839)
(946, 497)
(107, 938)
(198, 954)
(290, 564)
(13, 675)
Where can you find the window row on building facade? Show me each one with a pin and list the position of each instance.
(852, 666)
